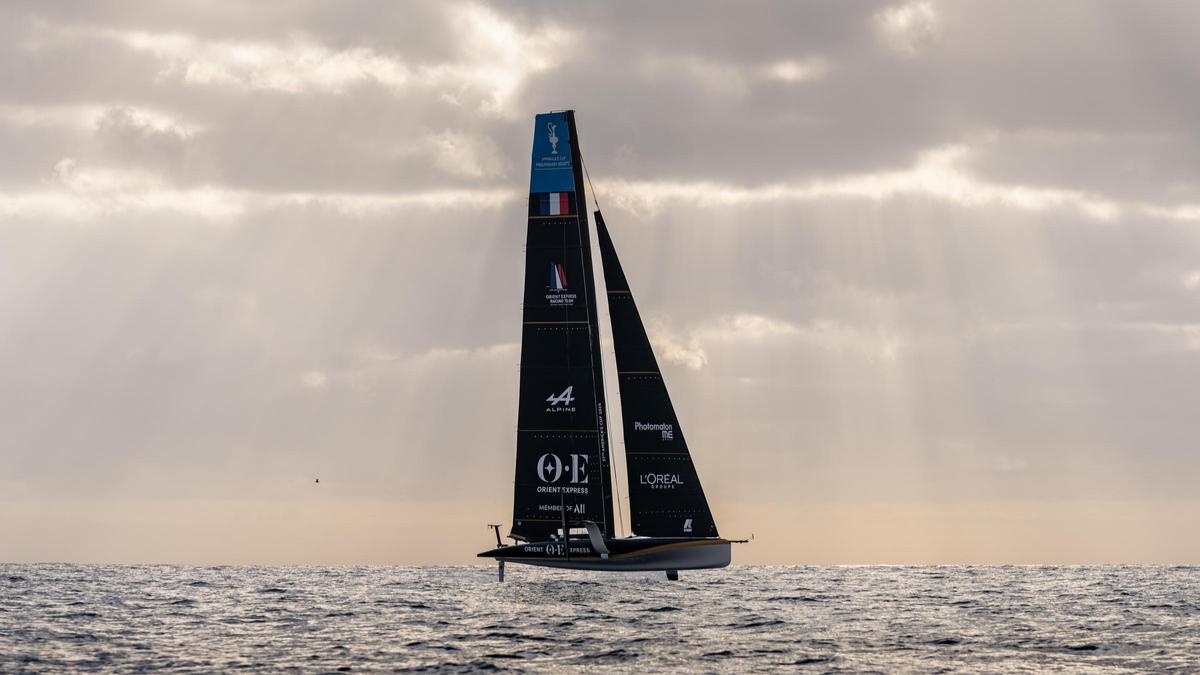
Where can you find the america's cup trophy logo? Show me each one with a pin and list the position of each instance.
(553, 138)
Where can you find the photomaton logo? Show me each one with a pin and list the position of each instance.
(666, 429)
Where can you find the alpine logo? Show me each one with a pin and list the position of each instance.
(562, 402)
(557, 293)
(687, 525)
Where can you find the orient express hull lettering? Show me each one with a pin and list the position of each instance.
(557, 489)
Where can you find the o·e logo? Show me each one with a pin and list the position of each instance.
(550, 468)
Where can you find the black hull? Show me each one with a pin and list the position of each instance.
(625, 555)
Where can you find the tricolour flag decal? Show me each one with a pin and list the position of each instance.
(550, 204)
(558, 277)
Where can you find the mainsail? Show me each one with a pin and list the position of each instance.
(665, 497)
(562, 430)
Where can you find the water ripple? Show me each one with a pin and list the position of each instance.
(56, 618)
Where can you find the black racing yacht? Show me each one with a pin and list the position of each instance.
(563, 500)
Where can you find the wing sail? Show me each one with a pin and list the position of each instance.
(665, 495)
(562, 430)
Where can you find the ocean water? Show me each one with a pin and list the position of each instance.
(56, 618)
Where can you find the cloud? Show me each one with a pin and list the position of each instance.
(494, 57)
(791, 71)
(314, 379)
(99, 196)
(500, 56)
(716, 78)
(1006, 464)
(130, 118)
(87, 193)
(372, 365)
(362, 205)
(672, 349)
(1186, 212)
(888, 224)
(80, 193)
(465, 155)
(442, 354)
(752, 331)
(102, 180)
(908, 28)
(937, 174)
(825, 334)
(1185, 335)
(723, 79)
(749, 327)
(298, 66)
(1181, 336)
(89, 117)
(1191, 280)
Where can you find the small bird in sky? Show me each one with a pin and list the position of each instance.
(317, 480)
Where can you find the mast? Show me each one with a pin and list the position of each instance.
(665, 495)
(562, 469)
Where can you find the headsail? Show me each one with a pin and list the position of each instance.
(665, 496)
(562, 430)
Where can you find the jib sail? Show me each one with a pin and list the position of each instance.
(665, 496)
(562, 431)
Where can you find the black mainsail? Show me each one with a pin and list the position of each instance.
(562, 430)
(665, 496)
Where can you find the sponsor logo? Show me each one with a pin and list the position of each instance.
(561, 402)
(555, 549)
(558, 277)
(687, 525)
(551, 170)
(667, 429)
(551, 467)
(660, 481)
(577, 509)
(558, 295)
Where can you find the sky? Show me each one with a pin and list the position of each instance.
(923, 277)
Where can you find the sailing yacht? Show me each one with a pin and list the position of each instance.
(563, 498)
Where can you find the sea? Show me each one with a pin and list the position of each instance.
(58, 618)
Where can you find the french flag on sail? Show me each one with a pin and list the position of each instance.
(550, 204)
(558, 277)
